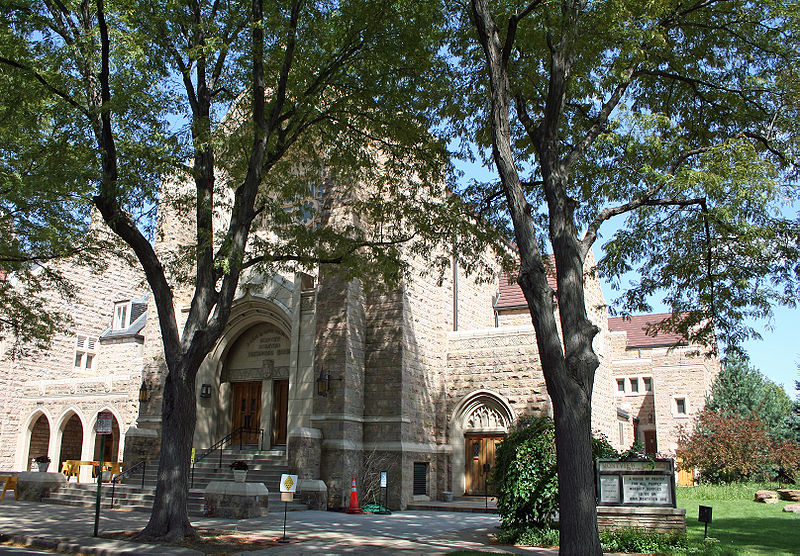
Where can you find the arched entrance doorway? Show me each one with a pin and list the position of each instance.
(110, 447)
(478, 425)
(255, 373)
(71, 439)
(40, 439)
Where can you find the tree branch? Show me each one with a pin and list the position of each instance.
(333, 258)
(47, 85)
(601, 120)
(511, 32)
(644, 200)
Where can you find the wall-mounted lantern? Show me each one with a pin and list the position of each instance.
(650, 418)
(205, 391)
(323, 383)
(144, 392)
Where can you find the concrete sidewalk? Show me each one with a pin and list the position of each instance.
(69, 529)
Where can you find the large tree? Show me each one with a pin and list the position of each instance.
(240, 108)
(741, 389)
(681, 115)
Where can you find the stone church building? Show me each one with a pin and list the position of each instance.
(426, 379)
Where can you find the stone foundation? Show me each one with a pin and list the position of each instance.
(660, 520)
(236, 500)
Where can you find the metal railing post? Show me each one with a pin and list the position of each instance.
(144, 471)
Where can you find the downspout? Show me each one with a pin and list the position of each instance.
(455, 292)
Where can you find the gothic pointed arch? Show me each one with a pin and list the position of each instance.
(477, 425)
(483, 411)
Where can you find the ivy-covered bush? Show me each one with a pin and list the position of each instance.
(525, 472)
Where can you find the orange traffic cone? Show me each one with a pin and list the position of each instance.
(354, 509)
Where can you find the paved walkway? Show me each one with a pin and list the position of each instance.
(69, 529)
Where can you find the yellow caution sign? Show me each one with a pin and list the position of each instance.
(288, 483)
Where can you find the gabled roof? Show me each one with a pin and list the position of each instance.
(138, 320)
(636, 328)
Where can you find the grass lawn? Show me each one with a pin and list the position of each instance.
(739, 523)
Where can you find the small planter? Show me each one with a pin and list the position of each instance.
(43, 466)
(240, 475)
(447, 496)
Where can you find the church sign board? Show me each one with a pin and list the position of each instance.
(641, 482)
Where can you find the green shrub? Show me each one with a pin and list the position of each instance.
(529, 536)
(525, 473)
(639, 540)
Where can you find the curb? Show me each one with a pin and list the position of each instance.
(74, 547)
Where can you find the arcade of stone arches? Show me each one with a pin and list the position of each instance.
(70, 437)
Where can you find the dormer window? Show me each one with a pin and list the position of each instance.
(122, 315)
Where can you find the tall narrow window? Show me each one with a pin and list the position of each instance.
(648, 384)
(84, 352)
(635, 385)
(420, 478)
(122, 315)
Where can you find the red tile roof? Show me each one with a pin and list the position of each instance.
(511, 295)
(636, 328)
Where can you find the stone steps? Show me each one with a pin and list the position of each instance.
(265, 467)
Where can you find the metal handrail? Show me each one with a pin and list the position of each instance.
(226, 441)
(117, 478)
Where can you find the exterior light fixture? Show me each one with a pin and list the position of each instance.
(650, 418)
(144, 392)
(205, 391)
(323, 383)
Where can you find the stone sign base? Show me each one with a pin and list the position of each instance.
(34, 486)
(661, 520)
(313, 493)
(236, 500)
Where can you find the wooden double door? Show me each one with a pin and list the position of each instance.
(479, 462)
(246, 412)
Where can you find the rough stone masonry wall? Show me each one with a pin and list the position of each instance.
(91, 311)
(604, 412)
(431, 311)
(504, 360)
(340, 351)
(680, 372)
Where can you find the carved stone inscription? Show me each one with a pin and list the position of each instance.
(260, 353)
(267, 346)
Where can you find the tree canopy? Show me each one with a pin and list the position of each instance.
(680, 119)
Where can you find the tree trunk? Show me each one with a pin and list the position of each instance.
(577, 512)
(169, 519)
